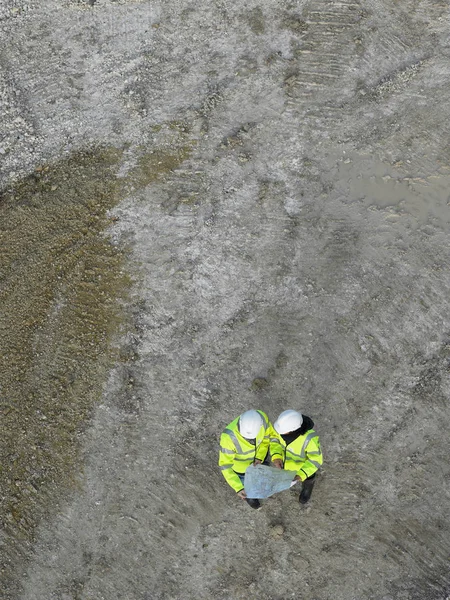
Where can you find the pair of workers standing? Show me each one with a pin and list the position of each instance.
(291, 443)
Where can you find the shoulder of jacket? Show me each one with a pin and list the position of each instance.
(310, 430)
(265, 417)
(311, 434)
(231, 429)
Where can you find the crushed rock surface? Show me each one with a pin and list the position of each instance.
(276, 189)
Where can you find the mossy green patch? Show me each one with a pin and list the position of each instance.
(258, 384)
(60, 280)
(62, 288)
(152, 165)
(256, 21)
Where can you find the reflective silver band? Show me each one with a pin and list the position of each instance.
(225, 467)
(308, 438)
(234, 440)
(299, 461)
(289, 451)
(274, 440)
(226, 451)
(243, 459)
(266, 422)
(313, 462)
(314, 453)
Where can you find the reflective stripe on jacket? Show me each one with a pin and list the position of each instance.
(303, 455)
(237, 453)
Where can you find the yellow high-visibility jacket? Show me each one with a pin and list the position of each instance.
(303, 455)
(237, 453)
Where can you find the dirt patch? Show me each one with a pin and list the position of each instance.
(63, 285)
(61, 279)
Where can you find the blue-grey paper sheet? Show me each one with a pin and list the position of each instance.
(261, 481)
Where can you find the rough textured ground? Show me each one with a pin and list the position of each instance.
(209, 207)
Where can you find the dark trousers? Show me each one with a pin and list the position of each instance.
(307, 487)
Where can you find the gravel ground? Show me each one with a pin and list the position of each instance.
(209, 207)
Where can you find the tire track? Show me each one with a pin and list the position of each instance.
(324, 53)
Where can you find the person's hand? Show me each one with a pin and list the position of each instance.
(257, 462)
(278, 463)
(297, 478)
(242, 494)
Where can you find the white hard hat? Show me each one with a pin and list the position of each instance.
(289, 420)
(250, 423)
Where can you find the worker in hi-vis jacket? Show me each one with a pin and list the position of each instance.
(244, 442)
(298, 449)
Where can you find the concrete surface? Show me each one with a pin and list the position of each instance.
(281, 191)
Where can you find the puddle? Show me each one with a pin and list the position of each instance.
(381, 186)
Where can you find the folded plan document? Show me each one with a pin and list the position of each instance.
(261, 481)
